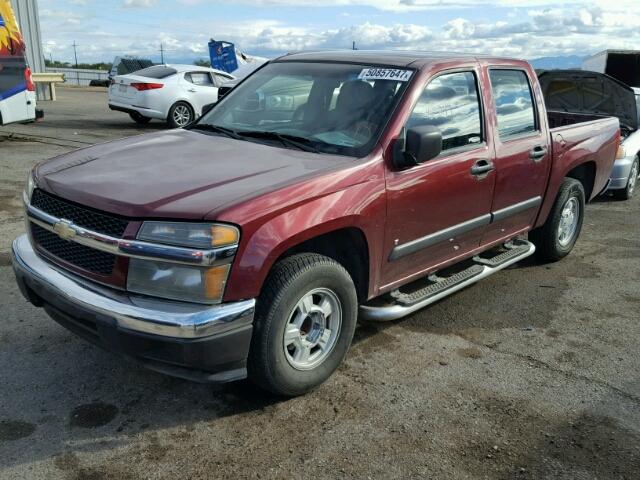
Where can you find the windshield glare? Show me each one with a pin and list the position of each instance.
(335, 108)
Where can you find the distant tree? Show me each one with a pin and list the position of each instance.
(202, 62)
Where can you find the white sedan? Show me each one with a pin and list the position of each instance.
(175, 93)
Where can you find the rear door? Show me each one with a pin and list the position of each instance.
(523, 153)
(438, 211)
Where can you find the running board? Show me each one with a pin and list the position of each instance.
(403, 304)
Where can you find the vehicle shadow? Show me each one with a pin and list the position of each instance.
(60, 394)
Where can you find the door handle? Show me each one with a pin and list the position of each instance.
(192, 90)
(537, 153)
(482, 167)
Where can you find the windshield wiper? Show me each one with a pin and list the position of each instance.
(217, 129)
(301, 143)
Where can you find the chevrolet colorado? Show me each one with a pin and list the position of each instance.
(325, 186)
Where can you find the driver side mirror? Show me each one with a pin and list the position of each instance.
(421, 143)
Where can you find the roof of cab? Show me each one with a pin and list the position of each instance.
(395, 58)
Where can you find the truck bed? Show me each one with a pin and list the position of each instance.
(559, 119)
(574, 138)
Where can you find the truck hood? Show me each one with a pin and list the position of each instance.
(177, 173)
(578, 91)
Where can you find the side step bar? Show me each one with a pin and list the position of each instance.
(403, 304)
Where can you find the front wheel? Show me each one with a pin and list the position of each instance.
(627, 192)
(556, 238)
(305, 320)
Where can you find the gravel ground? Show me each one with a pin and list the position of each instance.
(530, 374)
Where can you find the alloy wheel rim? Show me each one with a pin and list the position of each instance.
(312, 329)
(568, 221)
(181, 115)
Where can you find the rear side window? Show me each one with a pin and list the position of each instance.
(514, 104)
(199, 78)
(157, 71)
(450, 103)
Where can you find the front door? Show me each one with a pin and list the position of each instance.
(523, 154)
(438, 211)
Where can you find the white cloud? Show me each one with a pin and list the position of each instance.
(138, 3)
(531, 32)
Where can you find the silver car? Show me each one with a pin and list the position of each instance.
(626, 170)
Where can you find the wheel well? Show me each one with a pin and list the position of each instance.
(585, 174)
(348, 247)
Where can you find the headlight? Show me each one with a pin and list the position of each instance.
(30, 186)
(621, 153)
(177, 281)
(195, 235)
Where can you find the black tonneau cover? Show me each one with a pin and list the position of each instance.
(579, 91)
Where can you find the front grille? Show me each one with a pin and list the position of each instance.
(94, 261)
(82, 216)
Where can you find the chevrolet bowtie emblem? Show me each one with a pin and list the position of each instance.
(64, 229)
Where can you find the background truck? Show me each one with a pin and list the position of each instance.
(17, 90)
(325, 187)
(623, 65)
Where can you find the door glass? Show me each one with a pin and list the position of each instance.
(199, 78)
(514, 106)
(450, 103)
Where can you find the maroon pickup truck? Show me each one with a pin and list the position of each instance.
(324, 187)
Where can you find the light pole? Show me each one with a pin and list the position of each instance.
(75, 54)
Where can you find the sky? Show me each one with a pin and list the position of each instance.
(525, 29)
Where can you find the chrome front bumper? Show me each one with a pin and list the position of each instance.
(124, 311)
(620, 173)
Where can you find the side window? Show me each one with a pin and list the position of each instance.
(199, 78)
(450, 103)
(514, 104)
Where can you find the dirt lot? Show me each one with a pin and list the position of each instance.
(531, 374)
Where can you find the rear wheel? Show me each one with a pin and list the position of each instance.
(180, 115)
(627, 192)
(556, 238)
(141, 119)
(305, 319)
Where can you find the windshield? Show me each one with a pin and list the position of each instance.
(329, 108)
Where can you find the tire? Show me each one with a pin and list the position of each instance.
(140, 119)
(632, 182)
(180, 115)
(278, 364)
(556, 238)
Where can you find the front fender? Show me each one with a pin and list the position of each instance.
(360, 206)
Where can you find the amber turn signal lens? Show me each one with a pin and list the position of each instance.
(222, 235)
(621, 153)
(215, 279)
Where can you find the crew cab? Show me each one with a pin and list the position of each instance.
(325, 187)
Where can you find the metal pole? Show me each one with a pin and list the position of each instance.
(75, 54)
(161, 54)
